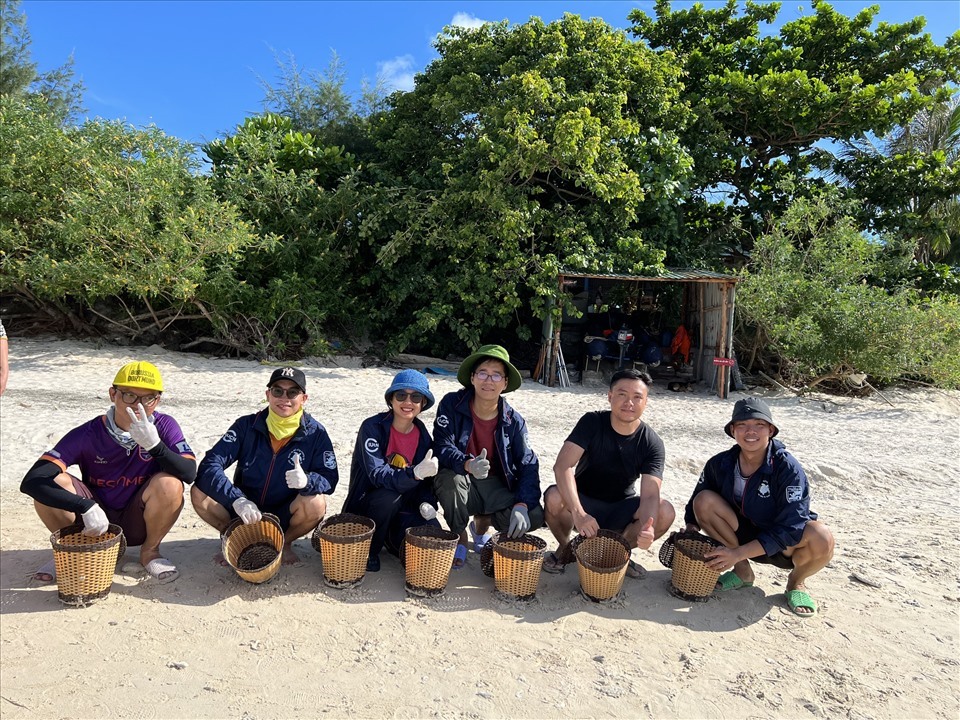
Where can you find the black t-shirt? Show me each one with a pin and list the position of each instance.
(611, 462)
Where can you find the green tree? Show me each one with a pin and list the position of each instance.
(302, 197)
(59, 88)
(812, 316)
(909, 181)
(521, 150)
(764, 102)
(108, 229)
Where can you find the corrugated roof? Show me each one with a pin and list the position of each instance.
(669, 275)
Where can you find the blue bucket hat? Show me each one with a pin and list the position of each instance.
(411, 380)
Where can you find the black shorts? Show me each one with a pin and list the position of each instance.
(611, 515)
(748, 532)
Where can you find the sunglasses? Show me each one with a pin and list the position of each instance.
(402, 396)
(131, 398)
(291, 393)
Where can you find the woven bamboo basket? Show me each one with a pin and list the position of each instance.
(692, 579)
(343, 542)
(486, 555)
(428, 557)
(601, 563)
(85, 564)
(254, 551)
(517, 563)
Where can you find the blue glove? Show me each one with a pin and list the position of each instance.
(519, 521)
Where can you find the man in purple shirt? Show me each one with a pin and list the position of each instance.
(133, 464)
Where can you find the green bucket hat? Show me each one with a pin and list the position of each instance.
(494, 352)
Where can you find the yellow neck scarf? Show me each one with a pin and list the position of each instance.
(280, 427)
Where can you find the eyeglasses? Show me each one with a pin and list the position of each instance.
(483, 376)
(291, 393)
(132, 398)
(401, 396)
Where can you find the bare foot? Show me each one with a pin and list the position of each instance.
(289, 556)
(220, 560)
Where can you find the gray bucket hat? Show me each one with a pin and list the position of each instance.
(750, 408)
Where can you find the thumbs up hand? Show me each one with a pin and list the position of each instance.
(645, 538)
(428, 467)
(479, 466)
(296, 477)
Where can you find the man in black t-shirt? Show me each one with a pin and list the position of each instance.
(597, 471)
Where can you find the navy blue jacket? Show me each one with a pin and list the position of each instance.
(370, 468)
(451, 433)
(776, 498)
(260, 474)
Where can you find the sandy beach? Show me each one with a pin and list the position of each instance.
(884, 476)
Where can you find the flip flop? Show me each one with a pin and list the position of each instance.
(635, 571)
(162, 570)
(478, 540)
(460, 557)
(797, 599)
(47, 573)
(553, 564)
(731, 581)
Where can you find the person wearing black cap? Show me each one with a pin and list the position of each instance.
(285, 466)
(487, 468)
(393, 466)
(755, 499)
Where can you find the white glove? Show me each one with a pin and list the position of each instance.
(95, 521)
(247, 510)
(519, 521)
(296, 478)
(427, 511)
(428, 467)
(143, 432)
(479, 466)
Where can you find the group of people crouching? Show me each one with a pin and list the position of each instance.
(478, 466)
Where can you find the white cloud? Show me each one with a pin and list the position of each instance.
(466, 20)
(397, 73)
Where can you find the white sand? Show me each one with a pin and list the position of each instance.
(210, 645)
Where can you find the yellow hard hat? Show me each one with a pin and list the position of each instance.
(139, 374)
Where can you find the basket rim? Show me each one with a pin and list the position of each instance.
(237, 522)
(321, 532)
(77, 529)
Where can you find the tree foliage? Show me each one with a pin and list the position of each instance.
(763, 102)
(909, 181)
(815, 317)
(302, 198)
(61, 91)
(521, 150)
(106, 226)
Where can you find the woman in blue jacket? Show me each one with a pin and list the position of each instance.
(391, 460)
(755, 499)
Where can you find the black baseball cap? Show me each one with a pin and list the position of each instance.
(292, 374)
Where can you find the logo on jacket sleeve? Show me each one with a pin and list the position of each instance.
(294, 456)
(764, 489)
(230, 436)
(371, 446)
(329, 460)
(443, 421)
(794, 493)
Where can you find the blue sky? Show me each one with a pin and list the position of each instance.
(192, 68)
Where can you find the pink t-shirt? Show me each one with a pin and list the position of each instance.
(401, 449)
